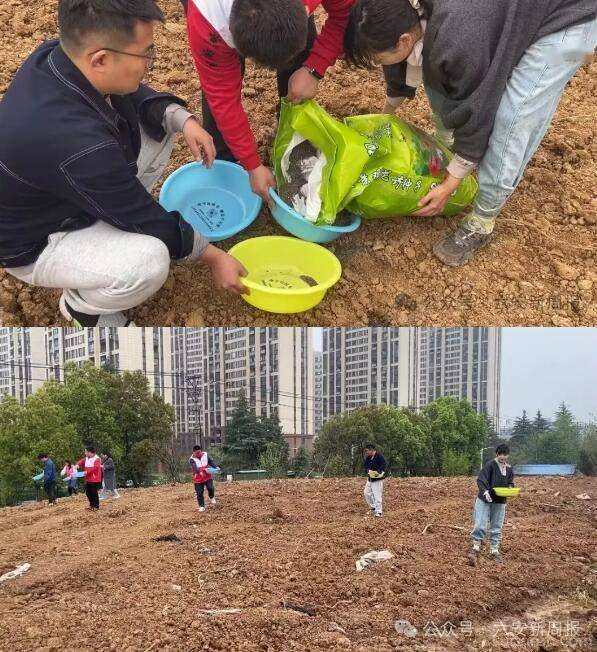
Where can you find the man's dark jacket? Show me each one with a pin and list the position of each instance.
(68, 158)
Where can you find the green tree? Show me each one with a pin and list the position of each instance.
(539, 428)
(455, 463)
(561, 444)
(521, 436)
(399, 433)
(17, 463)
(143, 419)
(37, 426)
(243, 443)
(247, 435)
(588, 452)
(86, 400)
(301, 463)
(454, 426)
(274, 459)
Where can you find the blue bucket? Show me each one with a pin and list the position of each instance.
(38, 478)
(212, 471)
(296, 224)
(218, 201)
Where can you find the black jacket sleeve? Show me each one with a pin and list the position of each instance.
(484, 479)
(101, 182)
(396, 86)
(150, 106)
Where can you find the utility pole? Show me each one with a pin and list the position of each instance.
(482, 451)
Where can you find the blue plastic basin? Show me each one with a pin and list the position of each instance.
(212, 471)
(296, 224)
(218, 201)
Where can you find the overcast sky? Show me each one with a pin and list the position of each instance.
(541, 367)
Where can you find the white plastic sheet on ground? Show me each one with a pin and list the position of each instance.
(373, 557)
(11, 575)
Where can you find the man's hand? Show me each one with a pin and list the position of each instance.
(392, 104)
(199, 142)
(302, 86)
(434, 201)
(488, 497)
(262, 180)
(225, 270)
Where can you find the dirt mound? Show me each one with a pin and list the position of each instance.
(540, 269)
(235, 578)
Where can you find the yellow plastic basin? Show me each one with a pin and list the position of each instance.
(286, 275)
(507, 492)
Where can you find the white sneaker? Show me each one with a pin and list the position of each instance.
(477, 547)
(212, 501)
(202, 509)
(378, 514)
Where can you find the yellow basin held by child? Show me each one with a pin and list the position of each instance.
(286, 275)
(507, 492)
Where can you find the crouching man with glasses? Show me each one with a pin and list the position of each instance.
(82, 143)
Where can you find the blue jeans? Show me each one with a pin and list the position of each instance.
(491, 514)
(524, 114)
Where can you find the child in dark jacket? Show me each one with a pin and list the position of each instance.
(490, 508)
(375, 466)
(49, 478)
(494, 73)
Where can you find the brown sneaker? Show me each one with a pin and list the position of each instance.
(457, 248)
(494, 553)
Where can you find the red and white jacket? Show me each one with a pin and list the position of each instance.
(219, 65)
(199, 464)
(92, 467)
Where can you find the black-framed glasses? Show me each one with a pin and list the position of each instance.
(150, 58)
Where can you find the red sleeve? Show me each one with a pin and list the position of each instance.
(81, 462)
(329, 45)
(219, 69)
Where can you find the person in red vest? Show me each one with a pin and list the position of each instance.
(200, 461)
(277, 34)
(92, 465)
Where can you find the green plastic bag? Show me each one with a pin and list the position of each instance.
(341, 154)
(405, 164)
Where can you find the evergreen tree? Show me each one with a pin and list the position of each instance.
(521, 435)
(247, 435)
(300, 463)
(539, 429)
(588, 452)
(561, 444)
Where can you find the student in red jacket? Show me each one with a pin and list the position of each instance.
(278, 34)
(200, 461)
(92, 465)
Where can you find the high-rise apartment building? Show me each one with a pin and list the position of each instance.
(318, 390)
(22, 361)
(410, 367)
(43, 353)
(366, 366)
(272, 367)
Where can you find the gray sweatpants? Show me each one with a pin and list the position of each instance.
(102, 269)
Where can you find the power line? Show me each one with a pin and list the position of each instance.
(177, 375)
(252, 403)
